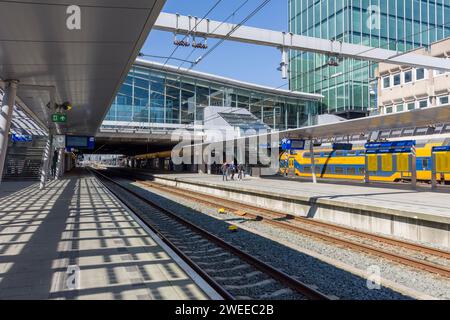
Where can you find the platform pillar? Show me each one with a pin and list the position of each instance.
(366, 169)
(60, 164)
(8, 103)
(413, 168)
(313, 162)
(46, 162)
(433, 171)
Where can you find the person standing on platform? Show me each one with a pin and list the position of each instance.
(240, 169)
(224, 170)
(232, 170)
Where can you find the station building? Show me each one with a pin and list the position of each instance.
(350, 87)
(156, 99)
(403, 88)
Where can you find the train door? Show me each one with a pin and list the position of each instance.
(291, 165)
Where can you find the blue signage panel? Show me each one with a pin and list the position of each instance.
(390, 144)
(441, 149)
(21, 137)
(292, 144)
(91, 143)
(343, 146)
(389, 150)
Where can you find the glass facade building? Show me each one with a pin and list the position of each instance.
(351, 86)
(165, 96)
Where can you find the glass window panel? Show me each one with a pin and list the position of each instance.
(187, 101)
(420, 74)
(217, 96)
(408, 76)
(172, 101)
(157, 82)
(397, 79)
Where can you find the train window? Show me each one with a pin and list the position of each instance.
(425, 164)
(318, 169)
(307, 169)
(351, 171)
(306, 155)
(338, 170)
(351, 153)
(361, 170)
(339, 153)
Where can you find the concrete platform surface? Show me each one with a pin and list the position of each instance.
(76, 241)
(389, 199)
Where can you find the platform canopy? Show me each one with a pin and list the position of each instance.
(400, 120)
(362, 126)
(84, 66)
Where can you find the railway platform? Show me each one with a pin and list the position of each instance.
(418, 215)
(75, 240)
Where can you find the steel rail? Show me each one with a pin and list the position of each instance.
(214, 284)
(279, 275)
(269, 216)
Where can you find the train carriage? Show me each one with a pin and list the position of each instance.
(350, 165)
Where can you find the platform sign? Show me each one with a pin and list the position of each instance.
(342, 146)
(15, 137)
(391, 150)
(391, 144)
(91, 143)
(441, 149)
(80, 142)
(292, 144)
(59, 118)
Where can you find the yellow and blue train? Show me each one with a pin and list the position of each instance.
(350, 164)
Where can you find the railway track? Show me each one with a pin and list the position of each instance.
(406, 253)
(232, 272)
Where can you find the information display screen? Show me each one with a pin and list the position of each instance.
(80, 142)
(297, 144)
(76, 142)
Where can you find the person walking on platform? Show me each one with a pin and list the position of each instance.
(54, 163)
(240, 169)
(224, 170)
(232, 170)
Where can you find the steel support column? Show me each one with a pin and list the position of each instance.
(366, 169)
(46, 162)
(8, 103)
(433, 171)
(313, 162)
(413, 168)
(60, 164)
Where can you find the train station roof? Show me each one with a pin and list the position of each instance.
(406, 119)
(84, 67)
(226, 81)
(363, 126)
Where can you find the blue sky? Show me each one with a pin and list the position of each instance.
(240, 61)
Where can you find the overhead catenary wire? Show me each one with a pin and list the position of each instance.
(224, 21)
(194, 28)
